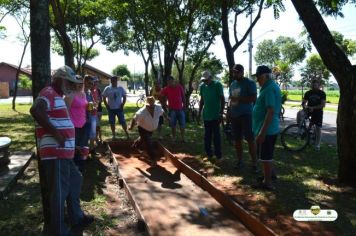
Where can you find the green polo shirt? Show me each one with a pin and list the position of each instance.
(211, 94)
(270, 96)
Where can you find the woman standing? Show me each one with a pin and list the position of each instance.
(77, 104)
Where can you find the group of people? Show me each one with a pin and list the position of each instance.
(68, 113)
(255, 119)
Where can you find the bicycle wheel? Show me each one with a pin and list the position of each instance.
(140, 102)
(295, 137)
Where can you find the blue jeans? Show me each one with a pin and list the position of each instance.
(212, 131)
(177, 115)
(63, 183)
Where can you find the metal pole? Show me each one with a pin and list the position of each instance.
(250, 46)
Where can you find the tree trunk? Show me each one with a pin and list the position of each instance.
(40, 45)
(345, 74)
(41, 70)
(168, 63)
(226, 37)
(67, 49)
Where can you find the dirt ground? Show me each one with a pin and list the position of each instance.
(281, 223)
(118, 205)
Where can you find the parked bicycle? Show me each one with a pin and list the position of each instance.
(193, 107)
(296, 137)
(141, 100)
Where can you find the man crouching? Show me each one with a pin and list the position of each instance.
(147, 119)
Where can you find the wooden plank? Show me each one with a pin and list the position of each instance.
(169, 202)
(251, 222)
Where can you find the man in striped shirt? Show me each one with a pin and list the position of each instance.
(55, 135)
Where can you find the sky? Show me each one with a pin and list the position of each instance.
(266, 28)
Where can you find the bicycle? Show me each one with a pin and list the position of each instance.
(141, 100)
(296, 137)
(192, 110)
(226, 124)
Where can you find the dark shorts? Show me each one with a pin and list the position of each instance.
(242, 127)
(160, 121)
(266, 149)
(317, 118)
(116, 113)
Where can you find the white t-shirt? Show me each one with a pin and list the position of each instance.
(145, 120)
(114, 95)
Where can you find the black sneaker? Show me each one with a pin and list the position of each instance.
(261, 178)
(85, 221)
(264, 186)
(239, 165)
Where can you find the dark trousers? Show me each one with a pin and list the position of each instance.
(212, 131)
(62, 182)
(145, 139)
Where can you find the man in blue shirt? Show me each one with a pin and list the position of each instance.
(265, 123)
(242, 94)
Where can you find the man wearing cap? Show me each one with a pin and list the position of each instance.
(114, 98)
(242, 95)
(265, 123)
(174, 94)
(55, 135)
(147, 119)
(212, 103)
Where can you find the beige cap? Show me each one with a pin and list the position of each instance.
(67, 73)
(205, 75)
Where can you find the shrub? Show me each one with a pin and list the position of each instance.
(284, 94)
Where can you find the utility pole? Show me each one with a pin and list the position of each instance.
(250, 46)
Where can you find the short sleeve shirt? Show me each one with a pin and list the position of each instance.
(58, 116)
(211, 95)
(270, 97)
(145, 120)
(314, 97)
(114, 95)
(243, 88)
(175, 96)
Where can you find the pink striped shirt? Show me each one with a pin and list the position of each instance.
(58, 116)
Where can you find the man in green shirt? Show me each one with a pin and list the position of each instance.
(212, 103)
(265, 123)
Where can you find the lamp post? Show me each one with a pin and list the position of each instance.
(250, 46)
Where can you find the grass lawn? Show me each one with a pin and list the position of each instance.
(304, 179)
(297, 97)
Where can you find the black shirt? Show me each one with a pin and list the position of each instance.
(314, 97)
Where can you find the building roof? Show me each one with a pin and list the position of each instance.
(26, 71)
(89, 67)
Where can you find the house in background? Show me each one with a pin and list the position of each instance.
(104, 78)
(8, 78)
